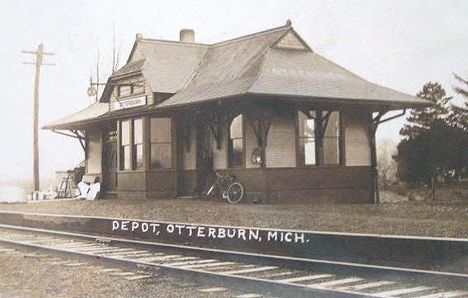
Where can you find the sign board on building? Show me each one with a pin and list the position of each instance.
(129, 103)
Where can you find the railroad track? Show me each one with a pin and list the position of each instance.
(290, 276)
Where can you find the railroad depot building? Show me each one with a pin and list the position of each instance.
(291, 125)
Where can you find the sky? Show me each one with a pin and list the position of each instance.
(398, 44)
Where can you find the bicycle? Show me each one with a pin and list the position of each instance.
(226, 185)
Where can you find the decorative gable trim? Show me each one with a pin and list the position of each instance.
(292, 41)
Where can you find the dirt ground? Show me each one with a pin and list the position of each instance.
(29, 273)
(439, 219)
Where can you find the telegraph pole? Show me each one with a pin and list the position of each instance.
(38, 63)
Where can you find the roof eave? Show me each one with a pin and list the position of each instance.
(389, 104)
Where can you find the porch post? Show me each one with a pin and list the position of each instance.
(375, 196)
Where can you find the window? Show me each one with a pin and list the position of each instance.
(125, 160)
(138, 88)
(131, 142)
(236, 143)
(306, 137)
(131, 89)
(125, 90)
(161, 146)
(331, 140)
(138, 144)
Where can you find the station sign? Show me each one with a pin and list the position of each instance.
(129, 103)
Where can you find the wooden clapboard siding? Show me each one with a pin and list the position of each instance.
(281, 147)
(131, 181)
(253, 180)
(307, 185)
(357, 146)
(161, 181)
(93, 151)
(187, 180)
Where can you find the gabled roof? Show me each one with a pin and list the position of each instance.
(276, 62)
(166, 65)
(279, 63)
(228, 68)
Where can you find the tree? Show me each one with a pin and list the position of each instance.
(458, 116)
(421, 119)
(387, 167)
(432, 145)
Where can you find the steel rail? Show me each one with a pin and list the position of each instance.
(251, 281)
(329, 265)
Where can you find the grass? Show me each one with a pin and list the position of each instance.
(424, 218)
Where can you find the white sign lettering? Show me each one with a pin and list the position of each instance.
(194, 231)
(129, 103)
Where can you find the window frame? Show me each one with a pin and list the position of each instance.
(131, 145)
(122, 146)
(170, 143)
(131, 86)
(228, 143)
(135, 145)
(319, 161)
(300, 158)
(339, 143)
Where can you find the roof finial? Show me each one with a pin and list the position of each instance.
(288, 22)
(139, 36)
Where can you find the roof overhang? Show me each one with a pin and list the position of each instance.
(78, 120)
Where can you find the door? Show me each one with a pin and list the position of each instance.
(109, 158)
(204, 162)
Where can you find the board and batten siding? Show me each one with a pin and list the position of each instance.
(357, 146)
(281, 147)
(94, 151)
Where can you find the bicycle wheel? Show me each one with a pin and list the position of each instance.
(235, 193)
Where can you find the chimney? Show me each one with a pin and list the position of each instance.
(187, 35)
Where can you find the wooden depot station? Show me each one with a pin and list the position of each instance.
(291, 125)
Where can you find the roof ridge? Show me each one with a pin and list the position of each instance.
(251, 61)
(255, 34)
(189, 44)
(197, 44)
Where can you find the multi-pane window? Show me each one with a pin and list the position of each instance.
(138, 161)
(307, 142)
(125, 153)
(331, 140)
(161, 145)
(131, 89)
(236, 143)
(131, 144)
